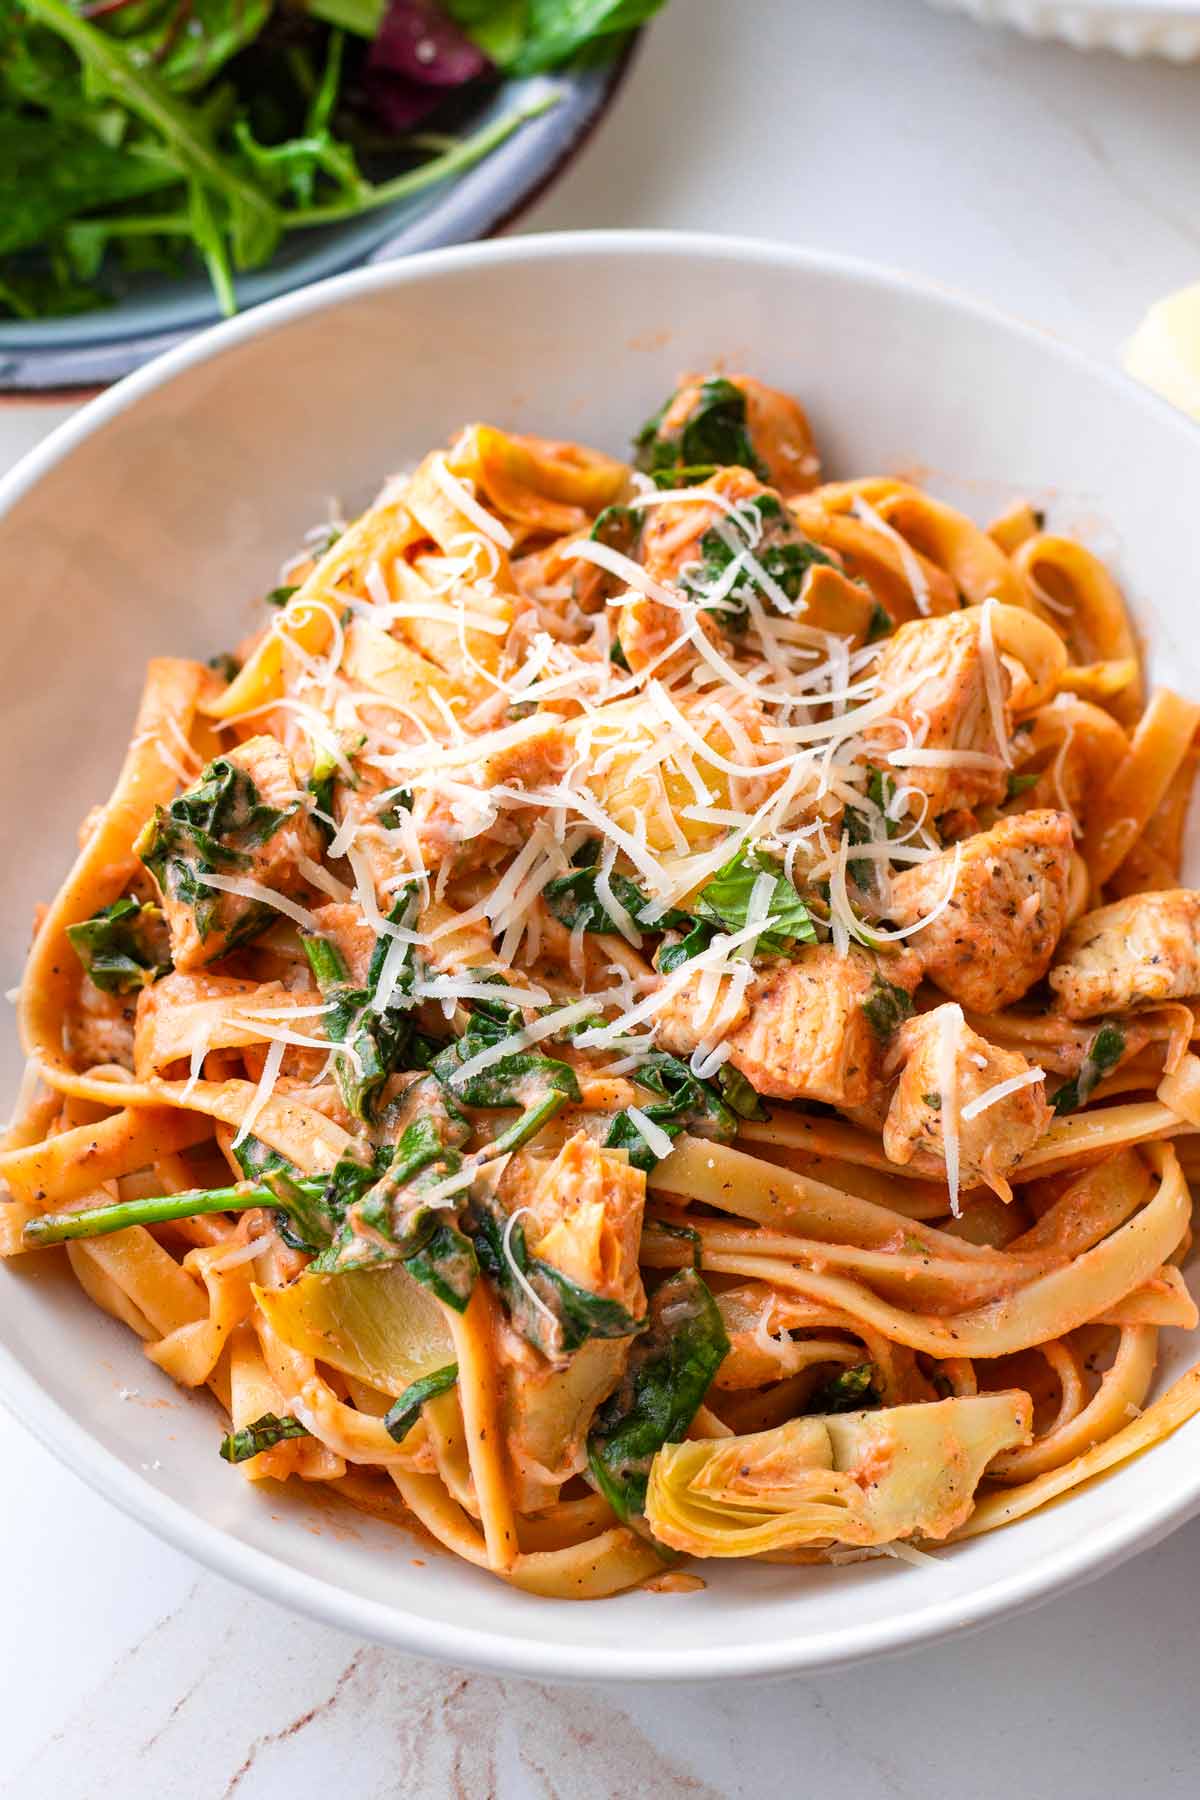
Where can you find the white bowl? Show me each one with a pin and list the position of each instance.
(147, 523)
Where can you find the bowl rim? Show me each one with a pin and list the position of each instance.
(441, 1639)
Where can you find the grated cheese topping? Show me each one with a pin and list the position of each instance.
(992, 1096)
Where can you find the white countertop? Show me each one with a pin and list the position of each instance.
(1058, 186)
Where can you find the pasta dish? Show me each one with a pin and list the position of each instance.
(645, 1012)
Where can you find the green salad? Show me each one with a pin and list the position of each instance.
(142, 135)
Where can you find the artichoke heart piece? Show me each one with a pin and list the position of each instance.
(376, 1324)
(856, 1478)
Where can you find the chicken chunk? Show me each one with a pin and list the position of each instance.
(997, 935)
(938, 1051)
(461, 822)
(810, 1029)
(934, 670)
(1146, 947)
(244, 820)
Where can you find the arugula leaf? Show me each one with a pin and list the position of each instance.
(714, 431)
(50, 171)
(852, 1390)
(557, 30)
(215, 103)
(185, 60)
(564, 1315)
(403, 1414)
(572, 897)
(1100, 1059)
(264, 1434)
(253, 222)
(290, 169)
(669, 1371)
(724, 900)
(123, 947)
(886, 1006)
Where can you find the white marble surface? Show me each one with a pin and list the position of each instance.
(1060, 187)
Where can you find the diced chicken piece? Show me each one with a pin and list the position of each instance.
(378, 841)
(244, 820)
(810, 1029)
(939, 1051)
(997, 935)
(1146, 947)
(466, 824)
(539, 760)
(934, 671)
(100, 1029)
(781, 435)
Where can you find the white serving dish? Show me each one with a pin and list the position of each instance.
(145, 525)
(1169, 28)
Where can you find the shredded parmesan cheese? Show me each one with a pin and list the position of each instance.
(262, 1093)
(460, 496)
(657, 1141)
(993, 1095)
(254, 890)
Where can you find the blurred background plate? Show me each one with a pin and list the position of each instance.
(92, 349)
(1134, 27)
